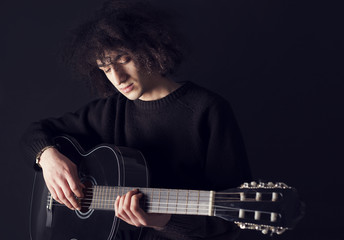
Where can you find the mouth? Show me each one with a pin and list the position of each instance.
(128, 88)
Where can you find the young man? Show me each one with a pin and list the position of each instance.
(188, 135)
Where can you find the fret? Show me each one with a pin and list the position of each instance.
(110, 199)
(159, 200)
(104, 199)
(198, 201)
(106, 203)
(101, 197)
(171, 201)
(95, 197)
(167, 201)
(181, 204)
(204, 203)
(92, 201)
(177, 201)
(165, 195)
(98, 197)
(150, 200)
(113, 196)
(182, 201)
(187, 202)
(107, 200)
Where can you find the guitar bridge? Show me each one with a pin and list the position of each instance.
(49, 208)
(49, 202)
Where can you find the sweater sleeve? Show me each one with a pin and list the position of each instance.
(226, 162)
(87, 125)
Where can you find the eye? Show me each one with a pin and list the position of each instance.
(107, 70)
(123, 59)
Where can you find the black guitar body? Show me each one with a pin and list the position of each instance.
(104, 165)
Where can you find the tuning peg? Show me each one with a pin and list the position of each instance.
(279, 231)
(265, 230)
(282, 185)
(253, 184)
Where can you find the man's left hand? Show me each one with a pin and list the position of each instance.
(128, 209)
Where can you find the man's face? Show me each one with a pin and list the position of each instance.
(132, 81)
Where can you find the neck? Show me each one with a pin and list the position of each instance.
(172, 201)
(159, 88)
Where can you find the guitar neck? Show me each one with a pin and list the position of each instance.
(157, 200)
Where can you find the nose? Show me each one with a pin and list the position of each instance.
(116, 76)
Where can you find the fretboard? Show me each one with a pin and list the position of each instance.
(157, 200)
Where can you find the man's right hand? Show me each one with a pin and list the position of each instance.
(61, 177)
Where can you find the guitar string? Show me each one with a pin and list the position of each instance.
(106, 192)
(187, 210)
(110, 203)
(91, 192)
(105, 197)
(182, 208)
(163, 200)
(126, 189)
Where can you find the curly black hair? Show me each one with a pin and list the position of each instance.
(133, 27)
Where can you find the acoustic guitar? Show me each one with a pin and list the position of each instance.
(109, 171)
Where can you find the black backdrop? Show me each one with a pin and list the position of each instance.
(279, 63)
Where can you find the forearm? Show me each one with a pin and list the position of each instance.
(82, 125)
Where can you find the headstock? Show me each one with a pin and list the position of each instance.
(266, 207)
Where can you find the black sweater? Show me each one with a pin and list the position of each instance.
(189, 138)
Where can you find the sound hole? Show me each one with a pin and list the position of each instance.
(85, 202)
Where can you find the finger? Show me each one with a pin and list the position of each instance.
(117, 205)
(53, 194)
(69, 196)
(51, 189)
(74, 184)
(61, 196)
(127, 200)
(138, 213)
(82, 185)
(130, 200)
(121, 212)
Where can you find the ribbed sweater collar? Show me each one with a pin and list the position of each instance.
(172, 97)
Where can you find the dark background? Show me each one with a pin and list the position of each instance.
(279, 63)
